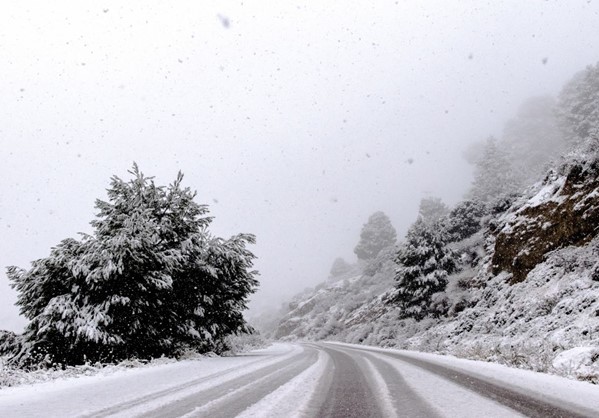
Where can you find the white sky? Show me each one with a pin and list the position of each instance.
(294, 123)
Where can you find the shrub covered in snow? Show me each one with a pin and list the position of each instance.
(240, 343)
(339, 268)
(150, 281)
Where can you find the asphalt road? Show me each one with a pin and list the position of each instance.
(310, 380)
(407, 402)
(355, 392)
(348, 382)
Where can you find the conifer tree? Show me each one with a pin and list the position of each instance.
(578, 106)
(424, 263)
(464, 220)
(494, 177)
(376, 234)
(149, 281)
(432, 209)
(532, 139)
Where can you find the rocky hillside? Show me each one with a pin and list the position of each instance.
(531, 300)
(565, 211)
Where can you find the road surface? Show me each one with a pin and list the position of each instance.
(315, 380)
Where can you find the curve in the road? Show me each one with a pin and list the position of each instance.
(349, 394)
(328, 380)
(525, 404)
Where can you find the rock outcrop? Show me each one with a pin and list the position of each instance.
(564, 212)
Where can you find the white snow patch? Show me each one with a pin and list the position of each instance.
(576, 359)
(89, 394)
(445, 397)
(546, 193)
(284, 401)
(382, 391)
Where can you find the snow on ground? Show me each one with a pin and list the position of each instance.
(385, 399)
(547, 193)
(579, 359)
(448, 399)
(550, 386)
(283, 402)
(130, 392)
(11, 376)
(86, 394)
(525, 325)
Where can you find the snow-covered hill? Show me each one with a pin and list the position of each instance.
(532, 301)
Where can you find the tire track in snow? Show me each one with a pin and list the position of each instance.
(349, 394)
(294, 398)
(424, 394)
(226, 375)
(233, 397)
(393, 393)
(382, 392)
(404, 399)
(524, 403)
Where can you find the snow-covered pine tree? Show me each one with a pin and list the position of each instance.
(211, 292)
(494, 177)
(45, 299)
(376, 234)
(424, 262)
(578, 105)
(137, 287)
(464, 220)
(9, 343)
(432, 209)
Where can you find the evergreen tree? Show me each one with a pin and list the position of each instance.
(533, 138)
(464, 220)
(424, 262)
(213, 290)
(384, 262)
(494, 177)
(376, 234)
(578, 106)
(432, 209)
(9, 343)
(148, 282)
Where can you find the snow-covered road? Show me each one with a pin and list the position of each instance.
(309, 380)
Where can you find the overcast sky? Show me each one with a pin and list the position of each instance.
(293, 120)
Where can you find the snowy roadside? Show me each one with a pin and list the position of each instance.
(14, 377)
(118, 384)
(526, 381)
(11, 376)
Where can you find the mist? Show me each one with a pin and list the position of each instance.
(294, 122)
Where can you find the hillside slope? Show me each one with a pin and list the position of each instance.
(532, 301)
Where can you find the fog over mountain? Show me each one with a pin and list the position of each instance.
(293, 121)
